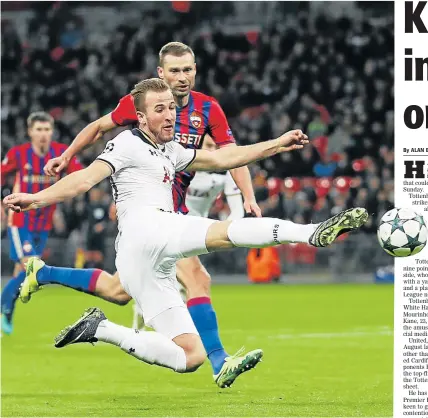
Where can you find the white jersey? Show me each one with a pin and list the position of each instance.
(143, 173)
(204, 189)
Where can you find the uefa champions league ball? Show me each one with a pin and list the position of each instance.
(402, 232)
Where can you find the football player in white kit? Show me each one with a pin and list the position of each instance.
(206, 186)
(141, 164)
(201, 195)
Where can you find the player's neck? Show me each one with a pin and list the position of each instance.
(149, 136)
(182, 101)
(40, 151)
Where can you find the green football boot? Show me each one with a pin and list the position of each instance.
(345, 221)
(30, 284)
(235, 365)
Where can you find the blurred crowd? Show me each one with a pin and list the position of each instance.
(331, 77)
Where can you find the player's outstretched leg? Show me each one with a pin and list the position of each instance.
(150, 347)
(267, 232)
(92, 281)
(9, 295)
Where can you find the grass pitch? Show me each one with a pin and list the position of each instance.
(328, 352)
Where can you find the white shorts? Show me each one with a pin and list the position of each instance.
(147, 250)
(173, 322)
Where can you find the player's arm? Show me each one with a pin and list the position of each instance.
(123, 114)
(242, 178)
(236, 206)
(86, 137)
(9, 164)
(234, 199)
(68, 187)
(222, 135)
(74, 165)
(227, 158)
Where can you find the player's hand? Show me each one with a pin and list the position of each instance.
(252, 208)
(55, 165)
(292, 140)
(20, 202)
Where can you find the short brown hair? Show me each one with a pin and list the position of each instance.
(140, 90)
(39, 117)
(177, 49)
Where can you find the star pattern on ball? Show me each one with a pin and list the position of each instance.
(387, 244)
(397, 223)
(420, 219)
(404, 232)
(412, 243)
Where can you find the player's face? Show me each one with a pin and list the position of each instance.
(159, 116)
(40, 134)
(179, 73)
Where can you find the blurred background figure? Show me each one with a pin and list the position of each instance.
(97, 216)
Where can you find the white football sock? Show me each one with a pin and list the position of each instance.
(150, 347)
(266, 232)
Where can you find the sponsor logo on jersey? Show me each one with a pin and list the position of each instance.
(153, 153)
(195, 120)
(188, 139)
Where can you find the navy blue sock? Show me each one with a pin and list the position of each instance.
(205, 320)
(10, 293)
(83, 280)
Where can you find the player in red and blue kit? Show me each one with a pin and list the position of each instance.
(197, 115)
(28, 232)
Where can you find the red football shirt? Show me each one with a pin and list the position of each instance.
(30, 178)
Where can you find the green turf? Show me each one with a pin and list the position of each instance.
(328, 352)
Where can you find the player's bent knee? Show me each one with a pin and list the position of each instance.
(194, 350)
(120, 296)
(121, 299)
(195, 357)
(109, 287)
(195, 360)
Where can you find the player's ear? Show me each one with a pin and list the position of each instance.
(142, 120)
(160, 72)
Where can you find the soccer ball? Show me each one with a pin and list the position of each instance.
(402, 232)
